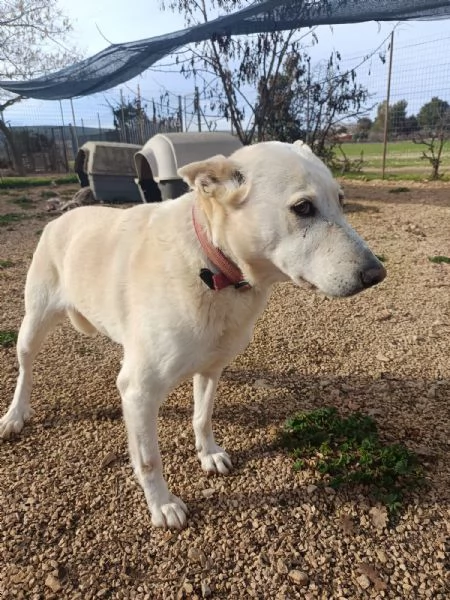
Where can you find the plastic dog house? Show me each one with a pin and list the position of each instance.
(108, 169)
(158, 161)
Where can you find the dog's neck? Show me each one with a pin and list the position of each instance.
(228, 273)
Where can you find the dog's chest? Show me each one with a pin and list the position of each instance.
(228, 319)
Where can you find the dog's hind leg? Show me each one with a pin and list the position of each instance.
(40, 317)
(212, 457)
(142, 394)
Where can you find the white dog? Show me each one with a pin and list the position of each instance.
(153, 279)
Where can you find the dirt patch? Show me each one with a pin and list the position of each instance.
(74, 523)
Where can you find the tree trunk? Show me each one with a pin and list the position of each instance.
(18, 163)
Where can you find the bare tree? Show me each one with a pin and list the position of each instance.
(34, 40)
(236, 70)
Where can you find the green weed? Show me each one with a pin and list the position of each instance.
(5, 264)
(347, 451)
(439, 259)
(9, 218)
(8, 338)
(23, 202)
(26, 182)
(48, 194)
(398, 190)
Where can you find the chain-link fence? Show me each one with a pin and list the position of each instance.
(413, 80)
(408, 139)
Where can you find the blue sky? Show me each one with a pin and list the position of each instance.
(422, 58)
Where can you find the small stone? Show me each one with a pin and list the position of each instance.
(382, 357)
(263, 384)
(53, 583)
(206, 590)
(298, 577)
(384, 315)
(196, 555)
(379, 516)
(363, 581)
(381, 555)
(208, 492)
(108, 459)
(281, 567)
(311, 489)
(188, 587)
(17, 578)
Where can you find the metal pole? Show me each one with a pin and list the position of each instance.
(180, 113)
(122, 113)
(197, 108)
(307, 103)
(63, 133)
(74, 126)
(100, 132)
(386, 112)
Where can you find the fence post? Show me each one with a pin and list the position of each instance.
(100, 131)
(63, 128)
(197, 108)
(386, 112)
(180, 113)
(74, 130)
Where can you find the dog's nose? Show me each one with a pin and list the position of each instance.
(373, 275)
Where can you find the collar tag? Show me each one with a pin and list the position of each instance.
(207, 277)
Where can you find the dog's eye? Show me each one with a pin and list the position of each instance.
(305, 208)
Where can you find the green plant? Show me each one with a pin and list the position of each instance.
(26, 182)
(8, 338)
(347, 451)
(11, 218)
(399, 190)
(48, 194)
(439, 259)
(23, 202)
(5, 264)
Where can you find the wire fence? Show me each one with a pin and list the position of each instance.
(413, 79)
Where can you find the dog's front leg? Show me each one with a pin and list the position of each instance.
(213, 458)
(141, 399)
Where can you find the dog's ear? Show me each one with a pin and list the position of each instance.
(301, 147)
(217, 178)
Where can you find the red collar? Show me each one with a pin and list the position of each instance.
(229, 273)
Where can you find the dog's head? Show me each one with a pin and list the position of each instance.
(276, 209)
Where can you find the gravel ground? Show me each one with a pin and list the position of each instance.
(74, 523)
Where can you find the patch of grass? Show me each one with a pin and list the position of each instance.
(381, 257)
(26, 182)
(9, 218)
(23, 202)
(5, 264)
(48, 194)
(7, 338)
(399, 190)
(347, 451)
(39, 232)
(439, 259)
(368, 176)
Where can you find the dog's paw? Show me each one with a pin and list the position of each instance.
(12, 423)
(171, 515)
(216, 462)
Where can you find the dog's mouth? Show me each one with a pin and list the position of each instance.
(335, 295)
